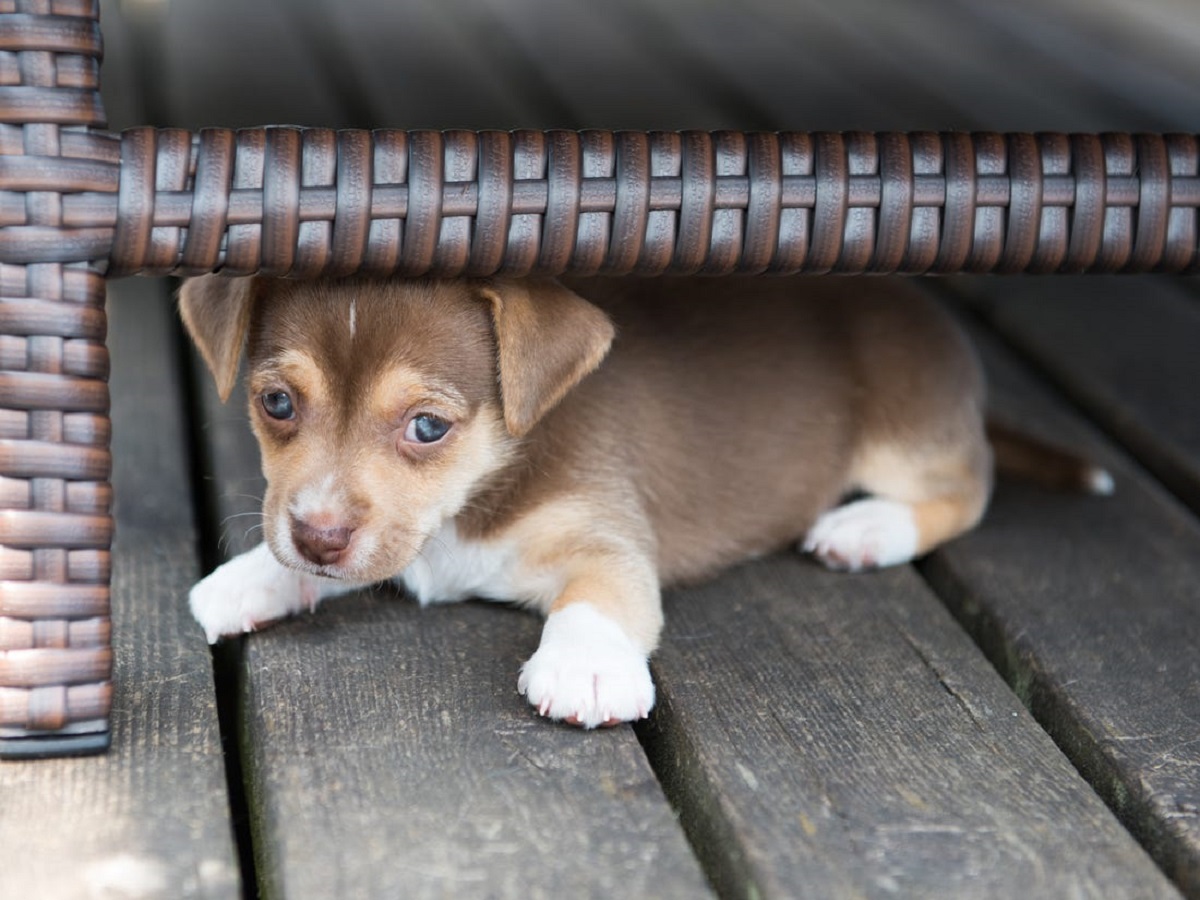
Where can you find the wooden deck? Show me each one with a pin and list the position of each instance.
(1016, 716)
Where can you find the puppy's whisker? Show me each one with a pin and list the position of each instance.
(242, 495)
(240, 515)
(228, 521)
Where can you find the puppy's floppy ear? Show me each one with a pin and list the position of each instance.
(549, 338)
(216, 313)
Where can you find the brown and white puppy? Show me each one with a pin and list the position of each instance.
(491, 439)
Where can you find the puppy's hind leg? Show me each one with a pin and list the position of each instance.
(917, 501)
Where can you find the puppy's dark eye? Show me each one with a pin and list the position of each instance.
(278, 405)
(426, 429)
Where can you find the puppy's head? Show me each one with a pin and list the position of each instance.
(381, 407)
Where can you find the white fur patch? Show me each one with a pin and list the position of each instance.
(253, 589)
(353, 318)
(865, 534)
(449, 569)
(321, 497)
(587, 670)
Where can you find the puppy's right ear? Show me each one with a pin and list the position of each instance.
(216, 313)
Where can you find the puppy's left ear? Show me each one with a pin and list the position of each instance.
(549, 338)
(216, 313)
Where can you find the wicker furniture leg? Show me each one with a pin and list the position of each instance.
(55, 528)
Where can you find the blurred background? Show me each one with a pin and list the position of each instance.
(1059, 65)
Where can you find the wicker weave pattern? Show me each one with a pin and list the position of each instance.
(286, 201)
(55, 528)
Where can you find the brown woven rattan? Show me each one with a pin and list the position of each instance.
(55, 528)
(77, 203)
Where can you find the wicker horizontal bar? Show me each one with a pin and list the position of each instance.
(317, 202)
(55, 527)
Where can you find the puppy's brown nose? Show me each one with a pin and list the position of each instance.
(323, 546)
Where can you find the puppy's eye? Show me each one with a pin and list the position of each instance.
(426, 429)
(278, 405)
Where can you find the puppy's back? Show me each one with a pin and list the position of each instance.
(737, 406)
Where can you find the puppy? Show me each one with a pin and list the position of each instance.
(492, 439)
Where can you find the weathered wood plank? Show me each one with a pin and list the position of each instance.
(1127, 349)
(150, 818)
(839, 736)
(1088, 607)
(387, 752)
(390, 755)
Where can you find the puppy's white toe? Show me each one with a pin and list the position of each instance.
(587, 671)
(246, 593)
(865, 534)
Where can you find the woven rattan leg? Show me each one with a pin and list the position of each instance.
(55, 527)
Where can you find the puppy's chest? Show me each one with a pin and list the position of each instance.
(450, 568)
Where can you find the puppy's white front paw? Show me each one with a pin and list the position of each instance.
(587, 671)
(248, 592)
(865, 534)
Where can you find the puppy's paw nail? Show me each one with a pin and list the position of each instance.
(864, 534)
(587, 672)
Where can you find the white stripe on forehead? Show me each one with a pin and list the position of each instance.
(353, 315)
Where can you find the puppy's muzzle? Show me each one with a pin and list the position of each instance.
(322, 546)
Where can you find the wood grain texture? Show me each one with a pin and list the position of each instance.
(387, 752)
(390, 755)
(1088, 607)
(838, 736)
(150, 818)
(1128, 350)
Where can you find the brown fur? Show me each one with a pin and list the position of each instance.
(738, 416)
(726, 417)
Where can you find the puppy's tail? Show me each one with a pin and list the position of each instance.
(1030, 459)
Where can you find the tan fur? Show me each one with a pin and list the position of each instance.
(726, 417)
(944, 518)
(948, 488)
(596, 555)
